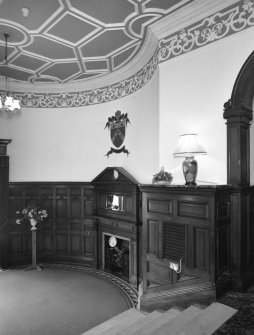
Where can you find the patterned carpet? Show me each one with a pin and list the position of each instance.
(242, 323)
(61, 299)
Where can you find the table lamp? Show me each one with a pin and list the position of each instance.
(189, 147)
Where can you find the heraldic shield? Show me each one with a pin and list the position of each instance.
(117, 133)
(117, 125)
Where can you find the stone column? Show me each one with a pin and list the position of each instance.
(238, 174)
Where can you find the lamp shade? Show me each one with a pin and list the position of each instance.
(188, 146)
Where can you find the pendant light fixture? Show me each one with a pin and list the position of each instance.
(9, 106)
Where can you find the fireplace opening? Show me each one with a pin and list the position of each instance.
(116, 256)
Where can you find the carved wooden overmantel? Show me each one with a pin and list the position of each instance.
(120, 219)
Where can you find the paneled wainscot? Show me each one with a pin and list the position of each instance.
(69, 232)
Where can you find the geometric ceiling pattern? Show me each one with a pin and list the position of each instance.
(65, 41)
(212, 22)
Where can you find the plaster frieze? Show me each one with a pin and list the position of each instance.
(198, 24)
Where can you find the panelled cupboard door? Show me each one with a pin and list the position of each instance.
(68, 233)
(187, 227)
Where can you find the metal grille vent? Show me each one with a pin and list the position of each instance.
(174, 241)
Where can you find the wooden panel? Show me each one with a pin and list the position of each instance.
(197, 210)
(157, 279)
(160, 271)
(61, 191)
(152, 238)
(89, 243)
(75, 191)
(63, 232)
(46, 192)
(48, 204)
(128, 204)
(223, 247)
(75, 212)
(32, 191)
(61, 208)
(76, 243)
(28, 242)
(200, 245)
(88, 205)
(160, 206)
(16, 244)
(76, 226)
(47, 242)
(15, 204)
(61, 242)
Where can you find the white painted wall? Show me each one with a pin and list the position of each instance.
(193, 90)
(70, 144)
(186, 95)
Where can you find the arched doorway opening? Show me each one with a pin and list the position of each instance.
(238, 113)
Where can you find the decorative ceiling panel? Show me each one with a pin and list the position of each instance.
(64, 71)
(96, 37)
(106, 43)
(40, 11)
(80, 29)
(106, 11)
(45, 47)
(28, 62)
(97, 65)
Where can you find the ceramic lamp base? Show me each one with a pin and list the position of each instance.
(190, 169)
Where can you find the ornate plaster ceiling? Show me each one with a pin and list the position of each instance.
(72, 41)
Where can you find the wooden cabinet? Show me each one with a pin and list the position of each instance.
(69, 232)
(189, 227)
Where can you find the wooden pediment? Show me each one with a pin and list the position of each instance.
(115, 175)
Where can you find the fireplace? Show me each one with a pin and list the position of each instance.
(116, 255)
(118, 224)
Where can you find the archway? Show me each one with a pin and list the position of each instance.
(238, 113)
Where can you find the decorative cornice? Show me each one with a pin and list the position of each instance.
(222, 22)
(91, 97)
(219, 25)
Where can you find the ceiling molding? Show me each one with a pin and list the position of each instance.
(157, 48)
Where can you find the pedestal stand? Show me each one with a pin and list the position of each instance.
(34, 266)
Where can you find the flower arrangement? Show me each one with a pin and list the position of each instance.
(162, 177)
(31, 213)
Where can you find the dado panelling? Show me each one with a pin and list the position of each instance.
(69, 232)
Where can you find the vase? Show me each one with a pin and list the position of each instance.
(33, 223)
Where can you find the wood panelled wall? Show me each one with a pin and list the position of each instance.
(192, 224)
(69, 232)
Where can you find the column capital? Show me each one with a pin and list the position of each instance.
(3, 146)
(237, 114)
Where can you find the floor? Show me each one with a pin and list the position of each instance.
(242, 323)
(60, 299)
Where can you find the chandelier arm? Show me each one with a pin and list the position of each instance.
(9, 106)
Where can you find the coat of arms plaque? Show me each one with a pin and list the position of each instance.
(117, 125)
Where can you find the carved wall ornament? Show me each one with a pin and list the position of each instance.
(117, 125)
(221, 24)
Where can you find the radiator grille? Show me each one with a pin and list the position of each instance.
(174, 241)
